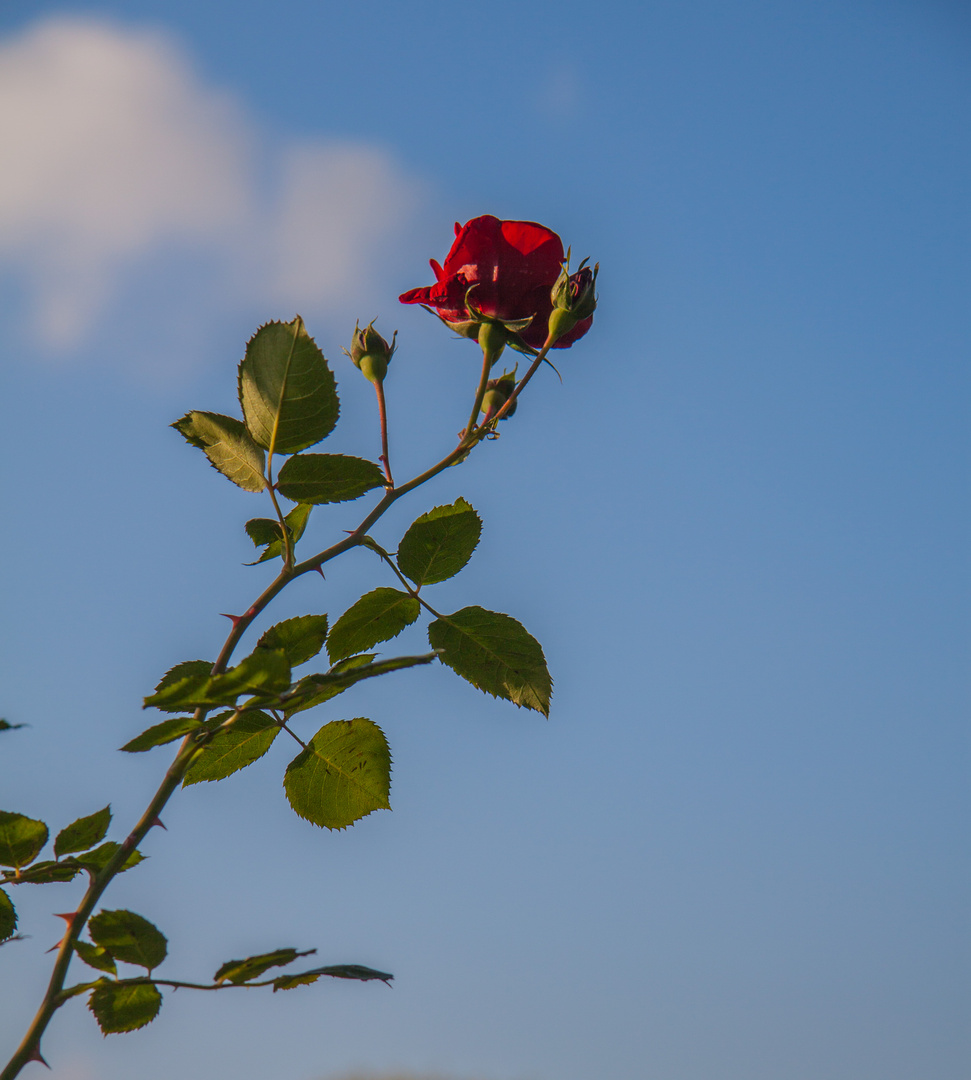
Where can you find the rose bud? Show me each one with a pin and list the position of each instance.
(370, 353)
(574, 300)
(498, 392)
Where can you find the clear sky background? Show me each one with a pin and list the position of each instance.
(738, 849)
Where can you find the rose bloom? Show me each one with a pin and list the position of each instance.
(513, 264)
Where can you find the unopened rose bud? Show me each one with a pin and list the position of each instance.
(498, 392)
(574, 298)
(370, 353)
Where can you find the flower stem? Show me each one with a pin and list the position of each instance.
(385, 458)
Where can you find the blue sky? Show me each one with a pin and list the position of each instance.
(738, 849)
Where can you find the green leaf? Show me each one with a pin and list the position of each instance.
(229, 751)
(83, 833)
(287, 391)
(344, 774)
(350, 663)
(160, 734)
(379, 615)
(129, 937)
(178, 685)
(5, 725)
(21, 839)
(242, 971)
(95, 861)
(8, 916)
(95, 956)
(227, 444)
(300, 638)
(267, 531)
(315, 689)
(495, 653)
(48, 871)
(327, 478)
(336, 971)
(439, 543)
(124, 1006)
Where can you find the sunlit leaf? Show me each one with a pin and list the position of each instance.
(242, 971)
(301, 638)
(327, 478)
(83, 833)
(160, 734)
(21, 839)
(228, 446)
(315, 689)
(439, 543)
(128, 937)
(249, 738)
(95, 956)
(379, 615)
(124, 1006)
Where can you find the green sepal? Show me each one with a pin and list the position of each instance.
(242, 971)
(300, 638)
(495, 653)
(287, 391)
(96, 956)
(8, 917)
(21, 839)
(177, 686)
(46, 872)
(160, 734)
(343, 774)
(267, 531)
(327, 478)
(129, 937)
(83, 833)
(438, 544)
(228, 446)
(378, 616)
(315, 689)
(124, 1006)
(249, 738)
(95, 861)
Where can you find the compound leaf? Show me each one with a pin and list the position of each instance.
(129, 937)
(227, 444)
(300, 638)
(124, 1006)
(379, 615)
(495, 653)
(83, 833)
(438, 544)
(342, 775)
(21, 839)
(327, 478)
(286, 389)
(229, 751)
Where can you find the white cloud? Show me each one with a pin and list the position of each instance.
(117, 152)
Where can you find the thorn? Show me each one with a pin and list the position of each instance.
(320, 571)
(234, 619)
(68, 917)
(35, 1055)
(157, 821)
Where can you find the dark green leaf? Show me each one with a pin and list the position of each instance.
(8, 917)
(5, 725)
(287, 391)
(301, 638)
(439, 543)
(336, 971)
(263, 671)
(97, 860)
(315, 689)
(95, 956)
(267, 531)
(242, 971)
(129, 937)
(379, 615)
(327, 478)
(160, 734)
(495, 653)
(233, 749)
(83, 833)
(124, 1006)
(21, 839)
(227, 444)
(288, 982)
(344, 774)
(178, 685)
(349, 663)
(48, 871)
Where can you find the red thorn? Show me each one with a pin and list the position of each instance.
(157, 821)
(68, 918)
(234, 619)
(321, 572)
(35, 1055)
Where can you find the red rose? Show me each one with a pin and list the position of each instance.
(513, 264)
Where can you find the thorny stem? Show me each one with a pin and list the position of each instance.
(193, 743)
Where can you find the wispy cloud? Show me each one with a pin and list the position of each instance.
(117, 153)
